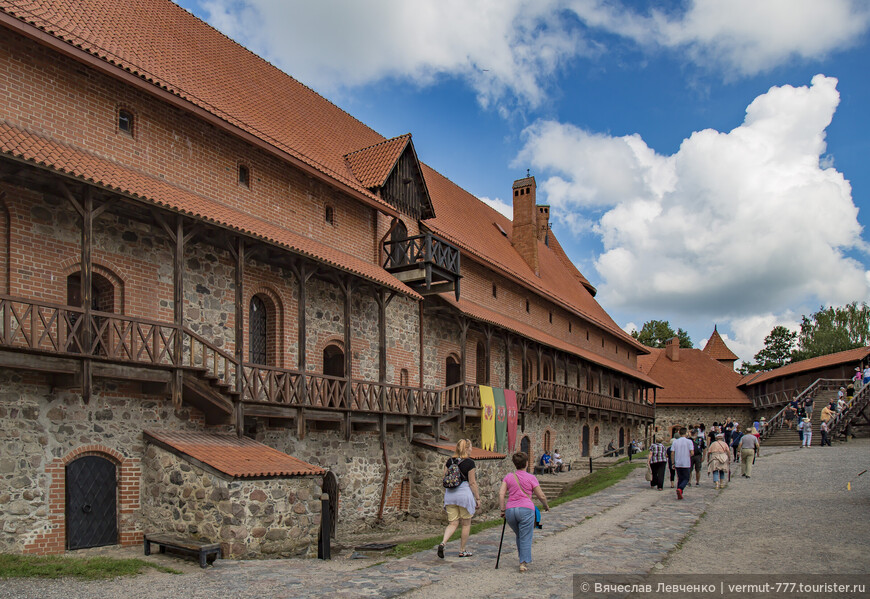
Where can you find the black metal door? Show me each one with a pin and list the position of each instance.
(330, 487)
(585, 441)
(257, 328)
(91, 503)
(621, 440)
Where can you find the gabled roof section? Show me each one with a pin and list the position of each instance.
(234, 456)
(696, 379)
(372, 165)
(716, 348)
(89, 167)
(852, 357)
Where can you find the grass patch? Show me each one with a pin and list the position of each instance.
(637, 456)
(93, 568)
(585, 486)
(597, 481)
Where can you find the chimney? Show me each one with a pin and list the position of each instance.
(526, 222)
(672, 349)
(543, 224)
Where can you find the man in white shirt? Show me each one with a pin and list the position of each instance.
(683, 449)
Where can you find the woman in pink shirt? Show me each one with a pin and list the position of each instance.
(519, 511)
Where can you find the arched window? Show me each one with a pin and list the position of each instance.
(403, 377)
(548, 441)
(453, 372)
(333, 361)
(548, 374)
(481, 364)
(258, 327)
(102, 292)
(596, 436)
(528, 373)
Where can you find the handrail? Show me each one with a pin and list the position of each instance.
(777, 421)
(841, 419)
(764, 401)
(425, 247)
(550, 391)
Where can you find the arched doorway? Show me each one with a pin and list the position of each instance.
(548, 373)
(333, 361)
(329, 486)
(596, 436)
(528, 373)
(399, 245)
(258, 327)
(91, 503)
(453, 374)
(548, 441)
(102, 300)
(525, 447)
(584, 441)
(621, 439)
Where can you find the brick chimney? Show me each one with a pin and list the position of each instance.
(672, 349)
(526, 222)
(543, 216)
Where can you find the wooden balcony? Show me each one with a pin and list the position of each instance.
(546, 394)
(426, 263)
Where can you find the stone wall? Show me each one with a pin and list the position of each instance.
(277, 517)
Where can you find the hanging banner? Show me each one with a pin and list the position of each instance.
(510, 400)
(487, 418)
(500, 420)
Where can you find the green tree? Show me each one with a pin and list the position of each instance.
(777, 351)
(832, 330)
(655, 333)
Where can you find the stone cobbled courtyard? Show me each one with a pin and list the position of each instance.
(794, 498)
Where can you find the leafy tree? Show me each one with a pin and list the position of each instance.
(655, 333)
(832, 330)
(777, 351)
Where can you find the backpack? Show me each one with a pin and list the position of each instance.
(700, 444)
(735, 439)
(453, 478)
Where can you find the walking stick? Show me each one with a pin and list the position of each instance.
(498, 557)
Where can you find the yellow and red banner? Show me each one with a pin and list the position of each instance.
(487, 418)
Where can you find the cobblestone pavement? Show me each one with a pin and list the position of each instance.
(627, 528)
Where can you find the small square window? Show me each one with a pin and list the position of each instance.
(527, 305)
(569, 327)
(551, 318)
(244, 176)
(125, 121)
(329, 215)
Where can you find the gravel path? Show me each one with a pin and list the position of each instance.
(794, 499)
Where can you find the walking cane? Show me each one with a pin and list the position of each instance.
(498, 557)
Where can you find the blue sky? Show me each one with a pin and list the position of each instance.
(705, 162)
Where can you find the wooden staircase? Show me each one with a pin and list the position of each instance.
(207, 392)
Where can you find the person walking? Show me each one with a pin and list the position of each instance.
(657, 461)
(807, 426)
(519, 510)
(749, 445)
(671, 469)
(736, 435)
(460, 501)
(700, 444)
(683, 449)
(718, 460)
(823, 428)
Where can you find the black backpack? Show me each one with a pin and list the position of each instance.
(453, 478)
(700, 444)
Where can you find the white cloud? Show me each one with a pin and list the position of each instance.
(750, 331)
(500, 47)
(734, 224)
(509, 51)
(743, 36)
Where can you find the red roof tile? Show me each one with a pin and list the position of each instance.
(476, 452)
(716, 348)
(850, 356)
(521, 328)
(372, 165)
(106, 173)
(237, 457)
(695, 379)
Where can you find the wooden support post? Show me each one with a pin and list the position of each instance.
(487, 333)
(420, 337)
(463, 342)
(239, 254)
(302, 273)
(346, 287)
(86, 281)
(507, 361)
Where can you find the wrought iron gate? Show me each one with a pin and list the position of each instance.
(91, 503)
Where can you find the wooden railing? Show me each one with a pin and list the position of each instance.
(784, 396)
(777, 421)
(549, 391)
(421, 249)
(45, 328)
(859, 402)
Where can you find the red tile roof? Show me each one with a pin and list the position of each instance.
(850, 356)
(169, 50)
(372, 165)
(106, 173)
(696, 379)
(476, 452)
(716, 348)
(521, 328)
(234, 456)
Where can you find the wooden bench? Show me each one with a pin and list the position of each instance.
(207, 552)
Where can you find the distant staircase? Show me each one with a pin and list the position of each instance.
(783, 437)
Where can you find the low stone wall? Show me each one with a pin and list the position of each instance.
(278, 517)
